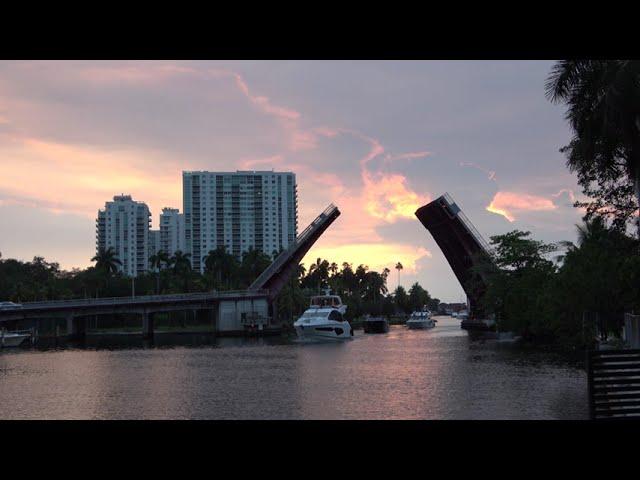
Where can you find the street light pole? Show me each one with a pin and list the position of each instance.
(133, 286)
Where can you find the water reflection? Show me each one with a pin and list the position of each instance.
(406, 374)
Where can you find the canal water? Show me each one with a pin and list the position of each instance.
(404, 374)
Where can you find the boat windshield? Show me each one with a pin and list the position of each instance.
(326, 301)
(314, 315)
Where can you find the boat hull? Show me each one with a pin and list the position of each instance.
(376, 326)
(325, 331)
(420, 325)
(481, 325)
(14, 340)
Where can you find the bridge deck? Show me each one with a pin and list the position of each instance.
(277, 274)
(459, 240)
(85, 304)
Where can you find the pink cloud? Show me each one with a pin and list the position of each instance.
(80, 178)
(405, 156)
(568, 191)
(263, 102)
(139, 74)
(507, 203)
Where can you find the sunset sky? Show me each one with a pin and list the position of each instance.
(378, 139)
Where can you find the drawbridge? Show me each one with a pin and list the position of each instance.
(277, 274)
(460, 242)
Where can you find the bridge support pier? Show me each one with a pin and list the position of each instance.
(147, 326)
(76, 327)
(274, 312)
(213, 317)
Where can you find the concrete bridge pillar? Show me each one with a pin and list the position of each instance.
(274, 312)
(213, 315)
(76, 326)
(147, 325)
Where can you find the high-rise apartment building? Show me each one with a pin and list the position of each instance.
(171, 231)
(124, 226)
(154, 242)
(239, 210)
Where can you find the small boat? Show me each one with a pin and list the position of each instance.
(421, 320)
(375, 324)
(10, 306)
(324, 319)
(12, 339)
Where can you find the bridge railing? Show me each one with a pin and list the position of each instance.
(307, 231)
(469, 226)
(281, 259)
(141, 299)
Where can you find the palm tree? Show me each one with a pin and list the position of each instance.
(320, 272)
(182, 266)
(603, 100)
(398, 268)
(107, 261)
(213, 262)
(333, 268)
(254, 262)
(156, 261)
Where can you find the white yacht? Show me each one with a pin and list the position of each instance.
(324, 319)
(11, 339)
(421, 320)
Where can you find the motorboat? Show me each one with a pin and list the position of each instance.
(421, 320)
(328, 301)
(324, 319)
(375, 324)
(12, 339)
(10, 306)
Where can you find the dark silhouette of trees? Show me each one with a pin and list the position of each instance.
(603, 108)
(107, 261)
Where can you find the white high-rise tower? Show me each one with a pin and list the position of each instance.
(124, 226)
(238, 210)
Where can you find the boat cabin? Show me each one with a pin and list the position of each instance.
(326, 301)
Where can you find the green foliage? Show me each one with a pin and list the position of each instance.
(418, 297)
(516, 281)
(364, 291)
(603, 108)
(533, 297)
(401, 300)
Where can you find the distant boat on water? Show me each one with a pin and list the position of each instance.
(375, 324)
(421, 320)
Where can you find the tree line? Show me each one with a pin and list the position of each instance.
(363, 290)
(561, 292)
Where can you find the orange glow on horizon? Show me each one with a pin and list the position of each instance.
(376, 256)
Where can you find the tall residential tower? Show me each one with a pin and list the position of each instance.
(124, 226)
(171, 231)
(238, 210)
